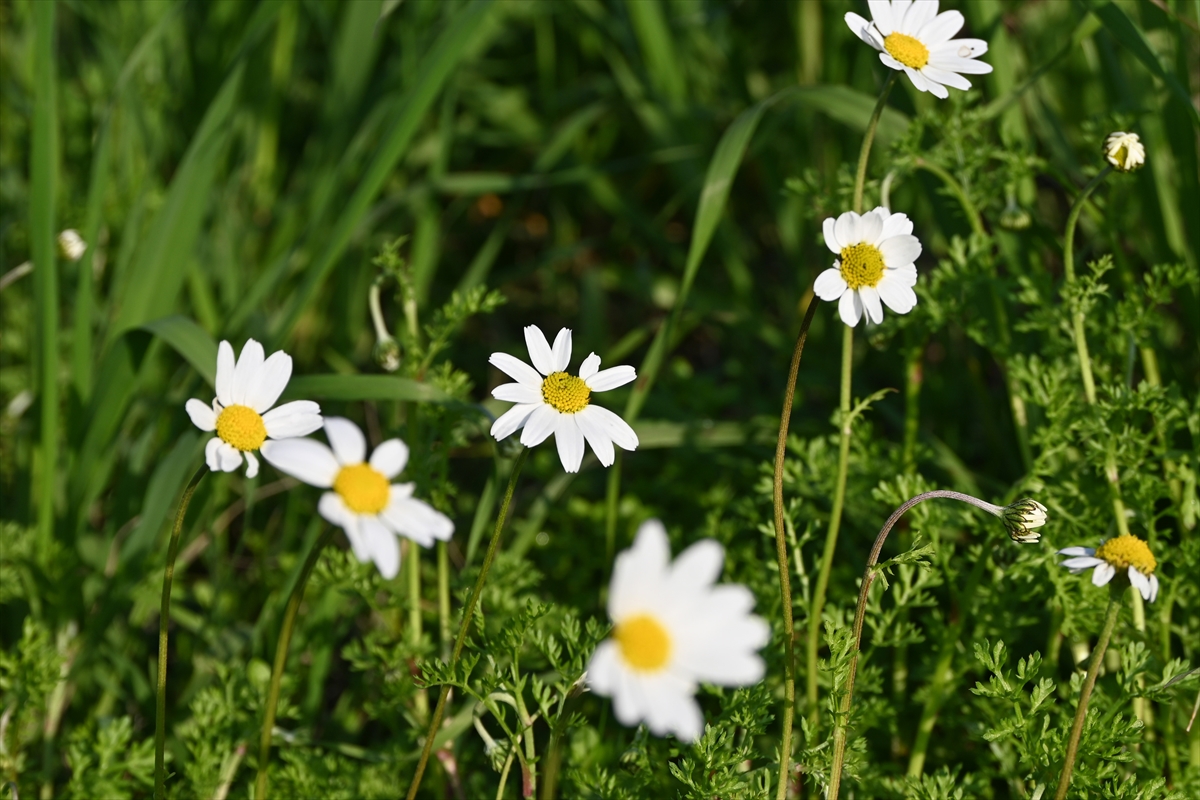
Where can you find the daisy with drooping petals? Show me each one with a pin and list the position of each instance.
(364, 503)
(551, 401)
(914, 37)
(875, 253)
(1127, 553)
(671, 629)
(242, 413)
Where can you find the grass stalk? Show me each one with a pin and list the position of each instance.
(281, 654)
(164, 624)
(468, 613)
(1081, 348)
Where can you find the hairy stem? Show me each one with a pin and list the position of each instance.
(1081, 348)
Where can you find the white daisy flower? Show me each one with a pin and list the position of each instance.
(914, 37)
(1127, 553)
(364, 503)
(559, 403)
(875, 253)
(671, 629)
(1124, 151)
(242, 413)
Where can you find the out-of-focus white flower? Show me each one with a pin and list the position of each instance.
(71, 244)
(875, 253)
(1127, 553)
(551, 401)
(242, 413)
(914, 37)
(672, 628)
(371, 510)
(1124, 151)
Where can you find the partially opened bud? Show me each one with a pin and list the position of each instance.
(387, 354)
(71, 244)
(1124, 151)
(1022, 517)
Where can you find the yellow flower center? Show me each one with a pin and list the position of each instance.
(1128, 551)
(363, 488)
(907, 50)
(862, 264)
(242, 427)
(644, 642)
(567, 393)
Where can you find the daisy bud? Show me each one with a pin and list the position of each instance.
(387, 354)
(71, 244)
(1014, 218)
(1124, 151)
(1022, 517)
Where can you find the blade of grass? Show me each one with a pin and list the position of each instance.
(190, 341)
(362, 387)
(658, 49)
(1130, 36)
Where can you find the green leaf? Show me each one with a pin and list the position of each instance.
(853, 109)
(362, 387)
(1128, 34)
(190, 341)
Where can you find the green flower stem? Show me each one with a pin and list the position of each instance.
(1085, 362)
(415, 629)
(1110, 622)
(959, 193)
(443, 594)
(913, 376)
(468, 612)
(785, 582)
(164, 624)
(281, 654)
(843, 716)
(864, 154)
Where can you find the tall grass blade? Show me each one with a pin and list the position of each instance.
(189, 340)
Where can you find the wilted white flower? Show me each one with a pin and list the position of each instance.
(556, 402)
(71, 244)
(875, 253)
(1022, 517)
(242, 413)
(673, 628)
(1127, 553)
(1124, 151)
(371, 510)
(914, 37)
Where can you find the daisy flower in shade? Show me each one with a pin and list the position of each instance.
(549, 400)
(1127, 554)
(364, 503)
(875, 253)
(1124, 151)
(914, 37)
(242, 413)
(672, 628)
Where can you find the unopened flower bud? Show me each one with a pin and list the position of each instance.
(71, 244)
(1014, 218)
(1124, 151)
(1022, 517)
(387, 354)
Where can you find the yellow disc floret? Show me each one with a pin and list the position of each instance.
(644, 642)
(1128, 551)
(907, 50)
(862, 264)
(567, 393)
(363, 488)
(242, 427)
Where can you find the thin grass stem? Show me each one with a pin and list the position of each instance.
(1081, 348)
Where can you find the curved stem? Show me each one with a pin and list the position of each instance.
(959, 193)
(839, 730)
(785, 582)
(860, 177)
(465, 626)
(1110, 622)
(1081, 348)
(164, 621)
(281, 654)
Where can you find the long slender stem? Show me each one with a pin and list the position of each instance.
(281, 654)
(864, 154)
(443, 594)
(839, 730)
(1110, 622)
(164, 624)
(785, 582)
(415, 627)
(468, 612)
(956, 189)
(1081, 348)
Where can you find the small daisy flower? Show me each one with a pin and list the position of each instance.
(1128, 553)
(672, 628)
(1022, 519)
(364, 503)
(242, 413)
(875, 253)
(549, 400)
(1124, 151)
(914, 37)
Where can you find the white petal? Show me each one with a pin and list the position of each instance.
(696, 569)
(230, 457)
(830, 235)
(919, 14)
(569, 439)
(871, 226)
(304, 459)
(897, 224)
(416, 519)
(517, 393)
(1103, 573)
(512, 420)
(900, 251)
(870, 301)
(1076, 551)
(516, 369)
(881, 15)
(936, 89)
(202, 414)
(830, 285)
(539, 350)
(846, 229)
(967, 66)
(601, 444)
(333, 509)
(210, 454)
(602, 668)
(905, 276)
(918, 80)
(890, 62)
(941, 28)
(389, 458)
(945, 77)
(681, 714)
(629, 698)
(381, 544)
(297, 418)
(959, 48)
(225, 368)
(862, 29)
(1153, 588)
(895, 294)
(1140, 582)
(269, 382)
(850, 308)
(611, 378)
(1080, 562)
(562, 349)
(347, 441)
(539, 425)
(353, 528)
(639, 571)
(589, 367)
(251, 465)
(249, 362)
(613, 426)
